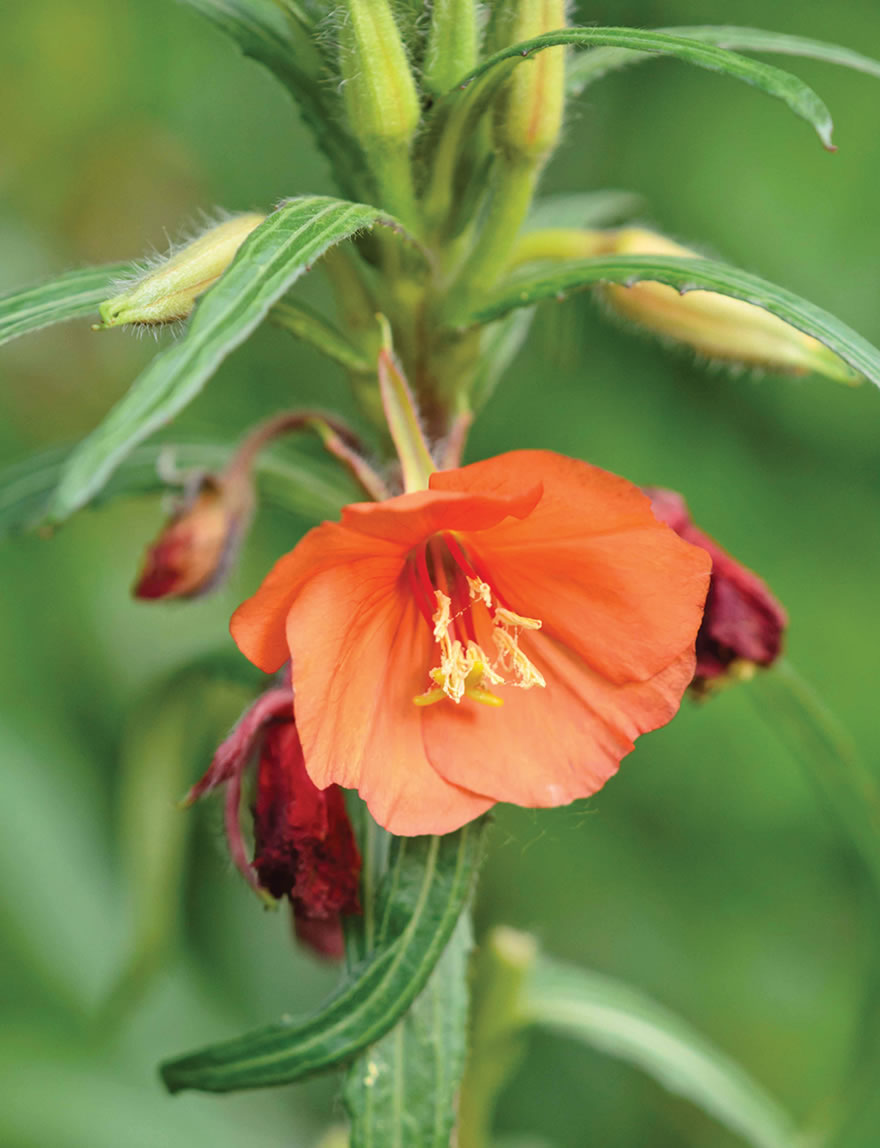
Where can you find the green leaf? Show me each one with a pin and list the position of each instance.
(299, 485)
(270, 260)
(584, 209)
(685, 275)
(800, 98)
(70, 296)
(427, 887)
(591, 66)
(401, 1092)
(620, 1021)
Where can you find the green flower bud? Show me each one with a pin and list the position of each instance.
(168, 291)
(528, 113)
(379, 90)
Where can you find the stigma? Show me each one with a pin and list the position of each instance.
(452, 596)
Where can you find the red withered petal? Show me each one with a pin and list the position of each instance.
(360, 654)
(743, 621)
(548, 746)
(305, 848)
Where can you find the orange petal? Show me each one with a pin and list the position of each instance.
(547, 747)
(412, 518)
(360, 653)
(592, 562)
(258, 625)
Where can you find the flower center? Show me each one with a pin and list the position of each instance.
(450, 590)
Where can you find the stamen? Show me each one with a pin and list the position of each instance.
(464, 670)
(481, 591)
(515, 661)
(508, 618)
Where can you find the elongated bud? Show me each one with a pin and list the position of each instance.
(528, 112)
(743, 624)
(716, 325)
(167, 293)
(199, 543)
(379, 90)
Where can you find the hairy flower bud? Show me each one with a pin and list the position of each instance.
(197, 545)
(168, 291)
(716, 325)
(743, 624)
(528, 113)
(379, 89)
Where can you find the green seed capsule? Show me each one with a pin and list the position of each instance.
(168, 292)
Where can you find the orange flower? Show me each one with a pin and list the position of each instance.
(501, 636)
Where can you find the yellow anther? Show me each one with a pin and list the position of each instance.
(442, 616)
(505, 617)
(515, 661)
(480, 590)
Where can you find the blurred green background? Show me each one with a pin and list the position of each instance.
(708, 873)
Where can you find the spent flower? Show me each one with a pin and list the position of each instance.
(743, 624)
(304, 847)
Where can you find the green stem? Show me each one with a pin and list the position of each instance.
(306, 324)
(512, 191)
(501, 971)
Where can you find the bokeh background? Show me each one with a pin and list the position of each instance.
(709, 873)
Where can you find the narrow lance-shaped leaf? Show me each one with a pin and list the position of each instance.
(591, 66)
(70, 296)
(300, 485)
(402, 1090)
(616, 1019)
(685, 275)
(268, 263)
(800, 98)
(429, 883)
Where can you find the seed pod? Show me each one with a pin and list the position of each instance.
(167, 292)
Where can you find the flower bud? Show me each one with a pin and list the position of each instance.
(743, 624)
(198, 544)
(716, 325)
(528, 112)
(168, 291)
(379, 90)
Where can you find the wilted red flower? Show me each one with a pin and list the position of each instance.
(501, 636)
(304, 846)
(743, 624)
(196, 546)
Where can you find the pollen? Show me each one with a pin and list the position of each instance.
(465, 670)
